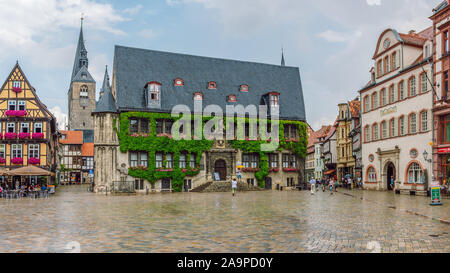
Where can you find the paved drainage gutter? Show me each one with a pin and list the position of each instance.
(444, 221)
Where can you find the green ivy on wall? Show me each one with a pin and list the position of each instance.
(152, 144)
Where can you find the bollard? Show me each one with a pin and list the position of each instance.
(146, 189)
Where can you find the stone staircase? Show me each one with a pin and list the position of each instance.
(202, 187)
(224, 187)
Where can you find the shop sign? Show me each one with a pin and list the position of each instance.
(444, 151)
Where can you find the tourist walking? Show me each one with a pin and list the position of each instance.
(336, 185)
(331, 184)
(234, 185)
(239, 176)
(313, 185)
(349, 182)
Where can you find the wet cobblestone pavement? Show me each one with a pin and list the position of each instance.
(250, 222)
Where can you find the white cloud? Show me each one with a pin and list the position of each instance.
(61, 117)
(148, 33)
(134, 10)
(338, 37)
(373, 2)
(323, 121)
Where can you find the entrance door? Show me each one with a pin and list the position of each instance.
(268, 183)
(221, 168)
(390, 176)
(165, 184)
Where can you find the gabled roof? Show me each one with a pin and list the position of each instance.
(135, 67)
(314, 137)
(72, 137)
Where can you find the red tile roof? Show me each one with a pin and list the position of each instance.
(355, 107)
(72, 137)
(314, 136)
(87, 149)
(418, 39)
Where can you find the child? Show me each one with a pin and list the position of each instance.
(234, 186)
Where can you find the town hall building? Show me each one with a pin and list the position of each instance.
(134, 144)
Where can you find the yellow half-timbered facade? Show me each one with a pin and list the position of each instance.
(28, 129)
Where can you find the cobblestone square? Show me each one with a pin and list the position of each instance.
(271, 221)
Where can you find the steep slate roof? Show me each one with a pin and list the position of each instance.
(106, 103)
(136, 67)
(441, 6)
(81, 54)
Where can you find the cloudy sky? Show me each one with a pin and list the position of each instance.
(330, 41)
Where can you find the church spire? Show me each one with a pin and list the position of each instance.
(81, 59)
(282, 57)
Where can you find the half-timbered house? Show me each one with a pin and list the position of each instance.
(27, 128)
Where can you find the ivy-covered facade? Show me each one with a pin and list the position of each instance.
(134, 143)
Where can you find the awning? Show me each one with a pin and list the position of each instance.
(30, 170)
(330, 172)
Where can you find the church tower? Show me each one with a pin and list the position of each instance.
(82, 90)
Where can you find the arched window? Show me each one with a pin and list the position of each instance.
(391, 94)
(84, 92)
(371, 175)
(412, 86)
(415, 174)
(375, 132)
(401, 90)
(413, 123)
(375, 100)
(424, 121)
(367, 133)
(401, 126)
(384, 129)
(366, 104)
(383, 97)
(423, 83)
(392, 127)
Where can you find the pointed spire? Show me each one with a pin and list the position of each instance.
(106, 85)
(282, 57)
(81, 58)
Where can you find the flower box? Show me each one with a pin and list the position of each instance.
(139, 135)
(16, 113)
(10, 135)
(17, 160)
(140, 168)
(164, 170)
(2, 160)
(274, 170)
(165, 135)
(17, 89)
(251, 170)
(34, 161)
(290, 170)
(38, 136)
(24, 135)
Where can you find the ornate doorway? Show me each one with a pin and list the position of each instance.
(220, 167)
(390, 176)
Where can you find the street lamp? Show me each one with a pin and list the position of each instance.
(425, 156)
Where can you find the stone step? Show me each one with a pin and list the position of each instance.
(226, 187)
(202, 187)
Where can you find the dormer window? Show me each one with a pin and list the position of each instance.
(198, 96)
(154, 89)
(274, 99)
(212, 85)
(232, 98)
(179, 82)
(244, 88)
(84, 75)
